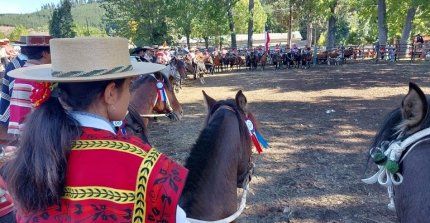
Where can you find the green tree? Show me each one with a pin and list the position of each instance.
(55, 24)
(19, 31)
(67, 19)
(241, 12)
(142, 21)
(61, 24)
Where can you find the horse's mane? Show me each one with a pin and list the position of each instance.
(144, 78)
(204, 148)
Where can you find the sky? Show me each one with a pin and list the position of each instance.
(23, 6)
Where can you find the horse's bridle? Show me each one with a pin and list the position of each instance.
(167, 110)
(396, 152)
(244, 185)
(248, 174)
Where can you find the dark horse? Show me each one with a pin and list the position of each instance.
(412, 195)
(253, 59)
(147, 98)
(219, 161)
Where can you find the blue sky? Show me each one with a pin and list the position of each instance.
(23, 6)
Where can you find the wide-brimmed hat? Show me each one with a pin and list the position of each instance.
(137, 50)
(86, 60)
(34, 41)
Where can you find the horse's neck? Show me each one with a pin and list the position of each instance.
(215, 196)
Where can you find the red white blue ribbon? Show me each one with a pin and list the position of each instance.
(256, 137)
(161, 91)
(120, 126)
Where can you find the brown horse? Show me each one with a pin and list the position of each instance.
(404, 160)
(219, 161)
(217, 63)
(153, 96)
(263, 60)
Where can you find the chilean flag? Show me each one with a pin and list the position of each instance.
(266, 40)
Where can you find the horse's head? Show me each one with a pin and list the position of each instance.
(401, 149)
(404, 121)
(154, 93)
(239, 106)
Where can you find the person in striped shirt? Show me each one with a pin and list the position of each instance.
(15, 102)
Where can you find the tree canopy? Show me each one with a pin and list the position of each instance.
(336, 22)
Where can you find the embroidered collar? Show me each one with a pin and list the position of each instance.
(86, 119)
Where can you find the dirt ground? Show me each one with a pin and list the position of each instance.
(319, 123)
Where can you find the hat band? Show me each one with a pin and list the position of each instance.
(98, 72)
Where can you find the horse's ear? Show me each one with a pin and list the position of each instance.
(241, 100)
(414, 108)
(209, 101)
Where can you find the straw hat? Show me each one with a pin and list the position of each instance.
(86, 60)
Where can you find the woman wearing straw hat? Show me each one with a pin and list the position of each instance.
(72, 166)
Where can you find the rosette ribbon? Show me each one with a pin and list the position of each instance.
(161, 92)
(256, 137)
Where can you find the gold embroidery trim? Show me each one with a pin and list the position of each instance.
(99, 193)
(139, 212)
(110, 145)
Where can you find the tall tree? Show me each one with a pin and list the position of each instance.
(55, 24)
(230, 4)
(382, 22)
(61, 24)
(407, 27)
(187, 11)
(331, 32)
(66, 19)
(290, 22)
(250, 23)
(142, 21)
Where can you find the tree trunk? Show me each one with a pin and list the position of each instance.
(188, 41)
(309, 32)
(382, 22)
(250, 23)
(290, 22)
(206, 41)
(331, 32)
(231, 25)
(407, 27)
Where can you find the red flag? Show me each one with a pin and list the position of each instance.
(267, 40)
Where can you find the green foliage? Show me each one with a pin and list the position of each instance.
(88, 31)
(241, 13)
(17, 33)
(342, 31)
(92, 13)
(61, 24)
(142, 21)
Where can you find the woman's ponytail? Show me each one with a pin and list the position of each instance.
(36, 175)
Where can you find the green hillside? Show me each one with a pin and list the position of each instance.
(82, 14)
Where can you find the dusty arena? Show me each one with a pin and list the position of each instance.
(319, 123)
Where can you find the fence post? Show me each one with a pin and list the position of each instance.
(315, 55)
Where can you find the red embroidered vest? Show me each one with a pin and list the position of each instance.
(116, 179)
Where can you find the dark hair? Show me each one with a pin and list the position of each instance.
(34, 52)
(36, 176)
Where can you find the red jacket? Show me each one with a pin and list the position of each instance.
(114, 178)
(6, 203)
